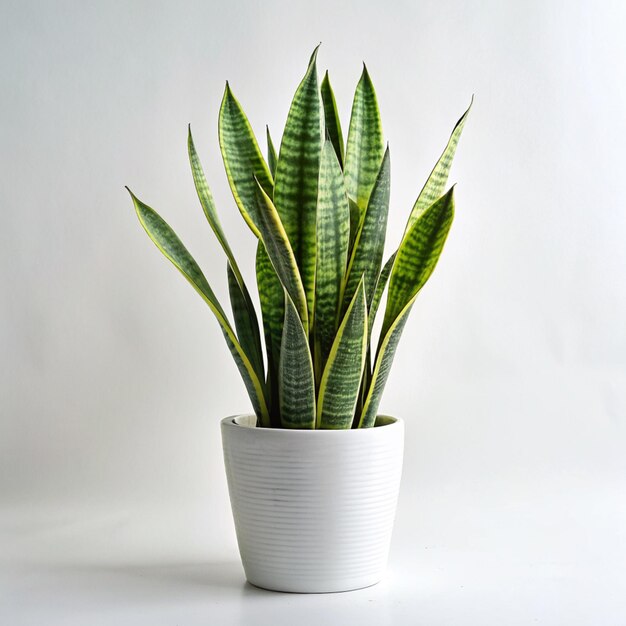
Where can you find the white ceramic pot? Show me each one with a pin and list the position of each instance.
(313, 509)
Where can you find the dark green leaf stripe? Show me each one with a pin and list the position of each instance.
(272, 159)
(339, 387)
(296, 380)
(271, 295)
(382, 366)
(243, 308)
(242, 158)
(333, 224)
(438, 178)
(365, 147)
(246, 322)
(173, 249)
(367, 252)
(295, 192)
(331, 118)
(417, 256)
(280, 252)
(378, 292)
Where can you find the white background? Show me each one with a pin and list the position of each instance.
(512, 370)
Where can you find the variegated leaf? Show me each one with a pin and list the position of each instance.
(296, 381)
(208, 205)
(417, 256)
(246, 321)
(331, 118)
(295, 190)
(339, 387)
(355, 222)
(272, 158)
(438, 178)
(381, 283)
(365, 148)
(367, 251)
(271, 295)
(414, 263)
(333, 224)
(280, 252)
(173, 249)
(242, 157)
(382, 367)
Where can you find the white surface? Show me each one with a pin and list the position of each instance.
(313, 509)
(466, 555)
(511, 375)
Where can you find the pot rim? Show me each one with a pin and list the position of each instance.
(239, 421)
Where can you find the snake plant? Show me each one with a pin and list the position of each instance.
(318, 209)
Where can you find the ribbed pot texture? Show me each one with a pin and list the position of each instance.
(313, 509)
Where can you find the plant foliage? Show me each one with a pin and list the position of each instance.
(318, 208)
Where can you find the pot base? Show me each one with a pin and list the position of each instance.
(343, 589)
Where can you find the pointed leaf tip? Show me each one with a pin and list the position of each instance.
(366, 77)
(365, 146)
(313, 58)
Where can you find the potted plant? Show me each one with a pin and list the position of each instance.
(314, 472)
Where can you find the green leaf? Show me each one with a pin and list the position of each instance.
(382, 366)
(207, 203)
(297, 171)
(272, 159)
(367, 252)
(331, 118)
(355, 222)
(365, 147)
(271, 295)
(339, 387)
(438, 179)
(246, 323)
(333, 223)
(378, 292)
(417, 256)
(371, 318)
(425, 235)
(415, 261)
(296, 381)
(242, 158)
(365, 380)
(246, 320)
(280, 252)
(173, 249)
